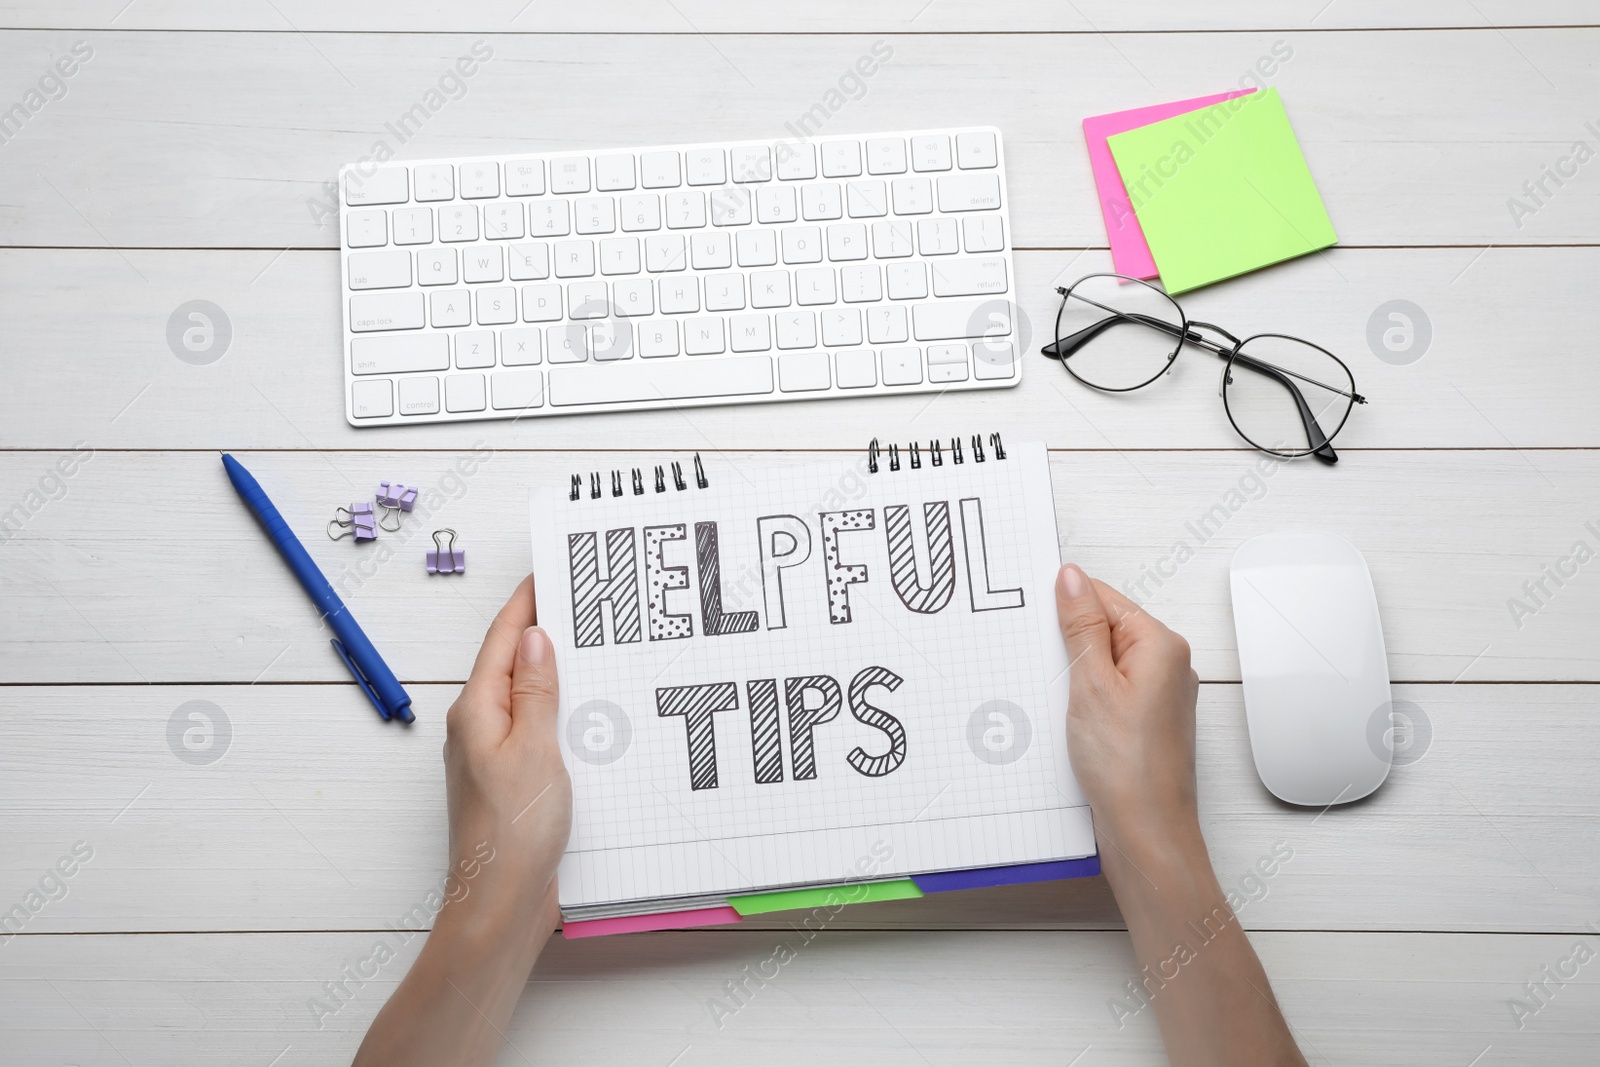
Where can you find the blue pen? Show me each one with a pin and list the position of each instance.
(371, 673)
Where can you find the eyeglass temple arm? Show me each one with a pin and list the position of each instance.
(1068, 346)
(1314, 435)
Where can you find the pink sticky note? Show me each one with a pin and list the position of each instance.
(634, 924)
(1129, 253)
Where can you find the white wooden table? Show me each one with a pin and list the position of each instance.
(220, 897)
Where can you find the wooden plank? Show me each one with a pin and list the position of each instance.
(101, 370)
(826, 16)
(101, 584)
(315, 815)
(903, 998)
(215, 140)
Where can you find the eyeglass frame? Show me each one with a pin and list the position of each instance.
(1321, 443)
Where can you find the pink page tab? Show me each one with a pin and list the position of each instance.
(1129, 253)
(635, 924)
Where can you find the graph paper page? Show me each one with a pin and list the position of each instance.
(769, 679)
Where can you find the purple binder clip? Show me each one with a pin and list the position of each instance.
(444, 557)
(356, 520)
(394, 498)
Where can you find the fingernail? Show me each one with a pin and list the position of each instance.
(1073, 582)
(535, 647)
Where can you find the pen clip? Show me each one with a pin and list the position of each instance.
(361, 679)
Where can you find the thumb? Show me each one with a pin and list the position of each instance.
(1084, 625)
(533, 681)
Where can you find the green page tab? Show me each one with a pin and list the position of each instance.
(825, 896)
(1222, 191)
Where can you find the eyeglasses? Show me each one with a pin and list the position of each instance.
(1284, 396)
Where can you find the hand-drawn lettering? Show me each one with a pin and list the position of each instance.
(841, 575)
(878, 719)
(709, 559)
(697, 703)
(765, 744)
(589, 591)
(930, 598)
(977, 551)
(659, 579)
(785, 543)
(803, 719)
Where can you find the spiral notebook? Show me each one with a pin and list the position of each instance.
(846, 671)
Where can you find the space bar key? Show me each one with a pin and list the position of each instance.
(633, 382)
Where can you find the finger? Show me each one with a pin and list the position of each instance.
(533, 682)
(1084, 626)
(493, 666)
(1131, 624)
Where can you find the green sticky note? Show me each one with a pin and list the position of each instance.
(1222, 191)
(826, 896)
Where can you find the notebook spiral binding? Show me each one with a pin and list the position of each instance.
(935, 453)
(636, 479)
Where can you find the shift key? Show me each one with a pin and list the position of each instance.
(400, 355)
(385, 311)
(952, 320)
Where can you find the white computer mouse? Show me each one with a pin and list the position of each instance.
(1315, 674)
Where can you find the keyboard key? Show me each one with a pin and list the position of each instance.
(611, 341)
(640, 212)
(775, 203)
(569, 174)
(841, 328)
(796, 161)
(513, 389)
(855, 368)
(588, 300)
(434, 181)
(750, 333)
(613, 173)
(385, 185)
(930, 152)
(595, 214)
(947, 354)
(907, 281)
(821, 201)
(946, 373)
(403, 354)
(680, 295)
(541, 303)
(497, 306)
(529, 262)
(796, 329)
(463, 392)
(969, 192)
(734, 376)
(730, 207)
(412, 225)
(372, 398)
(379, 270)
(886, 155)
(725, 292)
(705, 166)
(710, 251)
(574, 259)
(480, 181)
(521, 346)
(902, 366)
(482, 263)
(769, 289)
(366, 229)
(524, 177)
(815, 285)
(436, 266)
(886, 325)
(802, 244)
(861, 283)
(548, 218)
(976, 151)
(502, 220)
(841, 159)
(660, 170)
(633, 297)
(757, 248)
(664, 252)
(869, 199)
(702, 336)
(803, 372)
(937, 237)
(619, 255)
(474, 349)
(459, 222)
(751, 163)
(686, 210)
(847, 241)
(969, 277)
(450, 307)
(954, 319)
(567, 344)
(994, 360)
(386, 311)
(912, 196)
(892, 240)
(658, 338)
(983, 233)
(419, 396)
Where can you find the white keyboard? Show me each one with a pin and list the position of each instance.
(531, 285)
